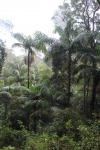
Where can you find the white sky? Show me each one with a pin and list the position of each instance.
(27, 17)
(30, 15)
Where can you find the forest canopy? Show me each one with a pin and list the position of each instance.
(50, 96)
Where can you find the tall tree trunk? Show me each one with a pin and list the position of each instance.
(69, 76)
(84, 93)
(93, 98)
(5, 114)
(84, 88)
(28, 71)
(88, 85)
(94, 65)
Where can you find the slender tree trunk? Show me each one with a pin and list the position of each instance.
(69, 76)
(28, 71)
(94, 65)
(5, 113)
(84, 88)
(88, 85)
(84, 93)
(93, 98)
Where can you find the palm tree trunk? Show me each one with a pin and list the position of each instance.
(84, 88)
(93, 99)
(84, 93)
(5, 114)
(69, 77)
(28, 71)
(88, 85)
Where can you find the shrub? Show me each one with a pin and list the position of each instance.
(11, 137)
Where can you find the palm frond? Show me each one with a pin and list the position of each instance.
(5, 97)
(40, 46)
(43, 38)
(82, 67)
(17, 90)
(84, 41)
(17, 45)
(20, 37)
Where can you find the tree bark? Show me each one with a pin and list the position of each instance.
(84, 93)
(28, 71)
(69, 77)
(93, 98)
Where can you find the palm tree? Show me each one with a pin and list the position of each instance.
(31, 45)
(88, 47)
(27, 43)
(57, 46)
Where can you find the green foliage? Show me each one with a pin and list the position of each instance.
(60, 110)
(8, 148)
(13, 138)
(88, 139)
(65, 122)
(2, 54)
(16, 90)
(1, 83)
(38, 142)
(5, 97)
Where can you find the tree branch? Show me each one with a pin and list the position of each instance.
(93, 23)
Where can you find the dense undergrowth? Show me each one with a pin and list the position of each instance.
(54, 103)
(31, 123)
(79, 137)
